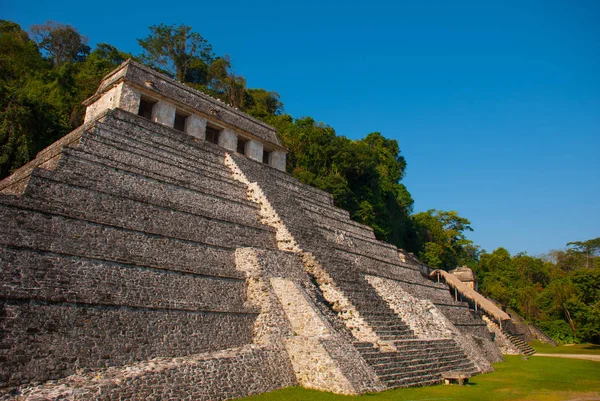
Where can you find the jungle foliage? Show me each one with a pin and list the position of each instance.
(46, 73)
(560, 291)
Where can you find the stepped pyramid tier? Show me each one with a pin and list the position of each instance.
(161, 251)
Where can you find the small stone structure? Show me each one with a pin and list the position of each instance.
(160, 251)
(466, 275)
(140, 90)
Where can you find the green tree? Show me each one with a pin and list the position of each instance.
(28, 122)
(19, 56)
(446, 230)
(261, 103)
(61, 42)
(177, 51)
(223, 82)
(588, 248)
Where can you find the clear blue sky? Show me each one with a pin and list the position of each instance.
(496, 105)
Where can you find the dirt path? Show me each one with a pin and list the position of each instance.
(589, 357)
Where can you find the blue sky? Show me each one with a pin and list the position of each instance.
(496, 105)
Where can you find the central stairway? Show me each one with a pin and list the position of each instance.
(349, 251)
(417, 362)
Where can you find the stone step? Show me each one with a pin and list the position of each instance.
(64, 278)
(437, 344)
(520, 344)
(185, 157)
(25, 228)
(341, 225)
(323, 208)
(387, 337)
(383, 323)
(98, 142)
(101, 208)
(422, 381)
(409, 365)
(411, 360)
(392, 328)
(158, 171)
(405, 352)
(161, 136)
(88, 174)
(396, 328)
(415, 375)
(118, 157)
(376, 357)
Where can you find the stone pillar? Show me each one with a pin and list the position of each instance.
(195, 126)
(254, 150)
(228, 140)
(278, 160)
(129, 98)
(164, 113)
(108, 100)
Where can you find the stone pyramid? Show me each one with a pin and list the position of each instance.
(160, 251)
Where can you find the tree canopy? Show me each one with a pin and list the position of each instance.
(177, 51)
(443, 241)
(62, 42)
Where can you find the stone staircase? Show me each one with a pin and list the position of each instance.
(377, 313)
(518, 342)
(417, 362)
(543, 336)
(347, 251)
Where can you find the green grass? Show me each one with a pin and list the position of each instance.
(567, 349)
(535, 379)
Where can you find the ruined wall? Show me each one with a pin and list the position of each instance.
(221, 375)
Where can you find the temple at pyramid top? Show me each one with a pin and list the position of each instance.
(143, 91)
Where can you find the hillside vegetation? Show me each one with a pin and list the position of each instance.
(47, 72)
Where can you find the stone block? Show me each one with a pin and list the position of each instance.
(129, 99)
(254, 150)
(195, 126)
(278, 160)
(164, 113)
(228, 139)
(108, 100)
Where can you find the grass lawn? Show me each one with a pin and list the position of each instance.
(535, 379)
(567, 349)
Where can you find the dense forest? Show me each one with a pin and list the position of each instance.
(47, 72)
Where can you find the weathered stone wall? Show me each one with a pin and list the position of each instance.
(254, 150)
(214, 376)
(43, 340)
(112, 259)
